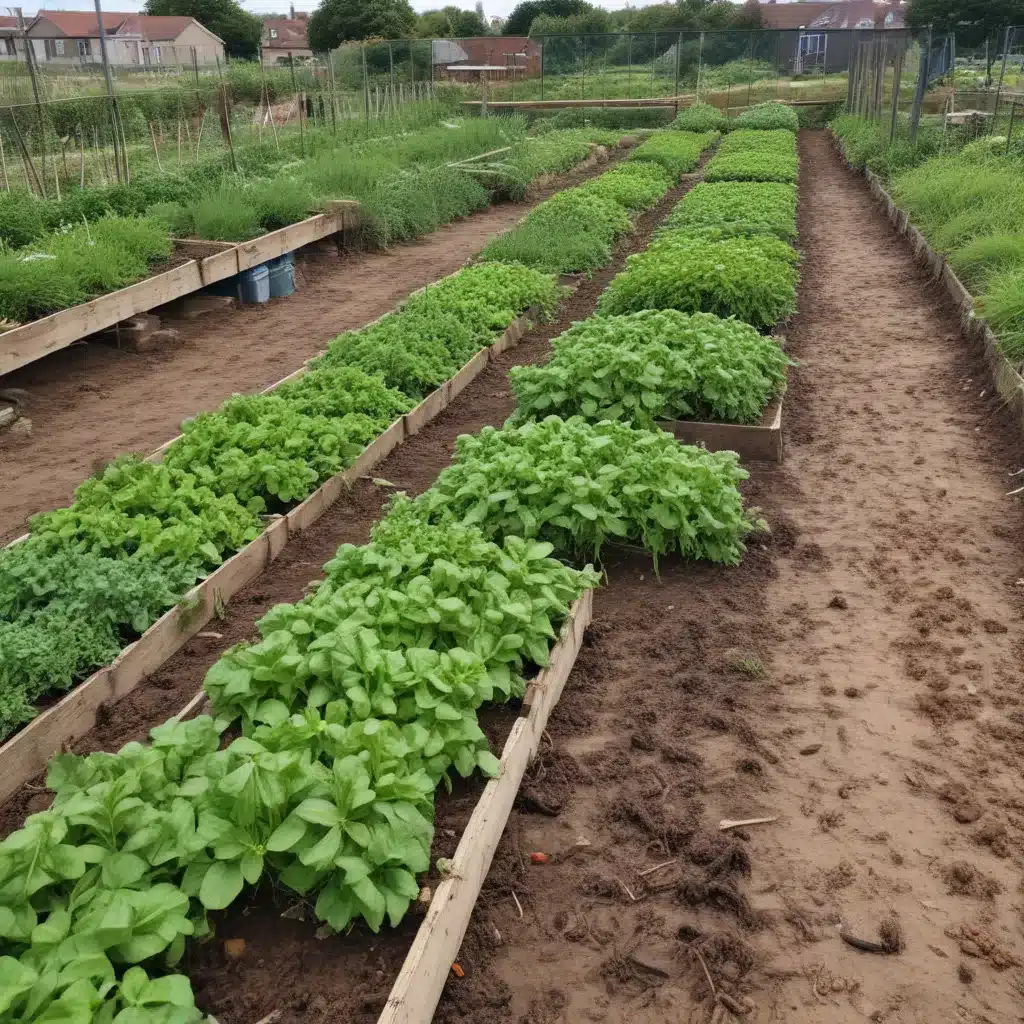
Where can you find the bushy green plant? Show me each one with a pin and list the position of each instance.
(767, 116)
(579, 485)
(701, 117)
(637, 185)
(654, 365)
(572, 231)
(752, 166)
(742, 208)
(741, 277)
(1003, 306)
(677, 151)
(70, 266)
(22, 218)
(986, 256)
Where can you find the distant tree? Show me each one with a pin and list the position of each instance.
(519, 21)
(336, 21)
(240, 30)
(451, 22)
(589, 23)
(749, 15)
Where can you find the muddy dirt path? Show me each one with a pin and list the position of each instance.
(92, 402)
(858, 677)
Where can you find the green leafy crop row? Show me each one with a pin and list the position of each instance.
(80, 263)
(768, 116)
(753, 279)
(701, 117)
(738, 208)
(654, 365)
(579, 485)
(353, 706)
(94, 575)
(575, 229)
(677, 151)
(753, 155)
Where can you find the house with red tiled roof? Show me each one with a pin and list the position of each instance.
(133, 40)
(285, 38)
(819, 37)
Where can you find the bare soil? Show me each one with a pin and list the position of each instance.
(94, 401)
(858, 678)
(285, 967)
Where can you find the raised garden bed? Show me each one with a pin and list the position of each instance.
(760, 442)
(25, 344)
(26, 753)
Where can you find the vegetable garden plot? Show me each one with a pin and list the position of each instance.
(246, 423)
(398, 539)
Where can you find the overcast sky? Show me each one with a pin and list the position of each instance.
(491, 7)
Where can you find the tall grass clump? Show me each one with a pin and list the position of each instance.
(1003, 306)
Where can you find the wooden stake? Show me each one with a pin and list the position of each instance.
(156, 149)
(179, 141)
(199, 137)
(3, 164)
(81, 157)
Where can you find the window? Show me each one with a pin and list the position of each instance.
(866, 23)
(154, 54)
(58, 47)
(812, 45)
(273, 33)
(84, 47)
(9, 47)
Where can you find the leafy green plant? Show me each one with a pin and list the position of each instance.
(637, 185)
(579, 485)
(767, 116)
(572, 231)
(752, 166)
(654, 365)
(748, 140)
(753, 279)
(677, 151)
(701, 117)
(1003, 306)
(70, 266)
(741, 208)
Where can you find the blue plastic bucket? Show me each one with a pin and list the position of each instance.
(254, 284)
(282, 276)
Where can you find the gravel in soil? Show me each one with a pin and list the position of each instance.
(857, 678)
(93, 401)
(343, 978)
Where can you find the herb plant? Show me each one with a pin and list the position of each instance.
(770, 115)
(654, 365)
(738, 208)
(753, 279)
(678, 152)
(579, 485)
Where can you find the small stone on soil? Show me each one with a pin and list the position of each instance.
(851, 691)
(811, 748)
(965, 974)
(838, 602)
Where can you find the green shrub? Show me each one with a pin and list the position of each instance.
(678, 152)
(23, 218)
(701, 117)
(985, 148)
(579, 485)
(224, 216)
(741, 208)
(742, 277)
(654, 365)
(767, 116)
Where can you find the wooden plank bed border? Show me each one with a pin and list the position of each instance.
(1008, 382)
(26, 753)
(26, 344)
(417, 990)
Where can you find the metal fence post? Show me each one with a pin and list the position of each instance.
(114, 112)
(897, 76)
(1007, 36)
(542, 68)
(1009, 130)
(679, 57)
(922, 85)
(366, 81)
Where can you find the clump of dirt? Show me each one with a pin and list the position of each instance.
(978, 943)
(993, 834)
(964, 879)
(842, 876)
(697, 889)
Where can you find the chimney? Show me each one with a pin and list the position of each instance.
(291, 12)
